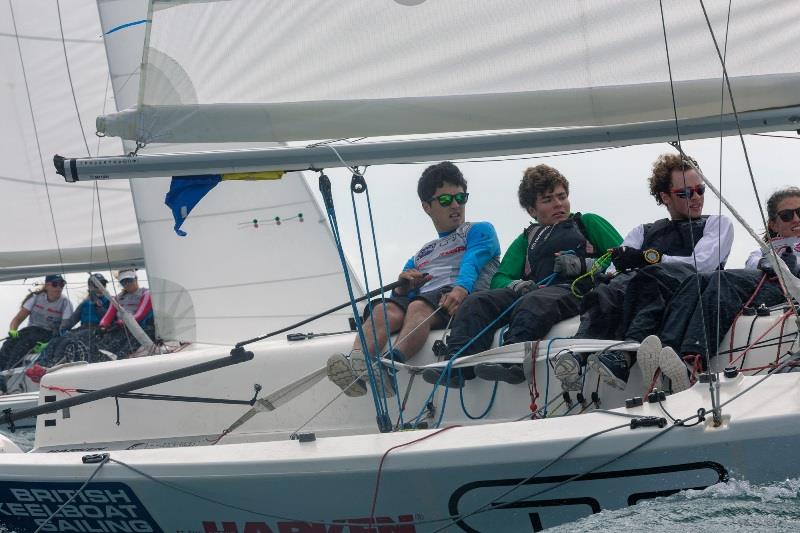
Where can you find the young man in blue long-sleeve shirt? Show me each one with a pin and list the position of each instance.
(437, 278)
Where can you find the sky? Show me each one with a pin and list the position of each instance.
(611, 183)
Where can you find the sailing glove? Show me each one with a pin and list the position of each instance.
(628, 257)
(569, 265)
(521, 286)
(13, 333)
(788, 257)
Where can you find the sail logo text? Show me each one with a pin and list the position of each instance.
(379, 524)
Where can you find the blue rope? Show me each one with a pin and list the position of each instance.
(488, 407)
(369, 355)
(383, 301)
(544, 282)
(337, 240)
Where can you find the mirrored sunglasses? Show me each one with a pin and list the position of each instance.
(788, 214)
(686, 192)
(126, 281)
(447, 199)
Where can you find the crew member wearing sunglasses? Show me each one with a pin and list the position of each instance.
(45, 309)
(652, 262)
(690, 324)
(136, 301)
(75, 344)
(461, 260)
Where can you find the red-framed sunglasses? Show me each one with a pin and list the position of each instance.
(687, 192)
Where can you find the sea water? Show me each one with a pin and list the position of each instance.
(735, 505)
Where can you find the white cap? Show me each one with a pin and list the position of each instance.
(126, 274)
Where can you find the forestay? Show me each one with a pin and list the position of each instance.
(281, 71)
(59, 231)
(230, 278)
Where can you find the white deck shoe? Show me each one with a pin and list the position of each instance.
(673, 367)
(350, 374)
(567, 370)
(342, 372)
(647, 358)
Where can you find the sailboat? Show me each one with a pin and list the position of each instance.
(50, 228)
(258, 441)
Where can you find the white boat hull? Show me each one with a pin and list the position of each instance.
(328, 484)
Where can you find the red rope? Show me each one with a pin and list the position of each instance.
(533, 390)
(383, 459)
(60, 389)
(656, 375)
(749, 347)
(771, 365)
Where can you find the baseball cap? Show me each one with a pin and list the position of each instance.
(99, 277)
(54, 277)
(126, 274)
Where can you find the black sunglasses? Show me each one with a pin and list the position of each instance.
(686, 192)
(447, 199)
(126, 281)
(788, 214)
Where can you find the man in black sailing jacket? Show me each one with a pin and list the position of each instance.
(650, 265)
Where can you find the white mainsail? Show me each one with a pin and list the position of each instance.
(49, 226)
(278, 71)
(229, 279)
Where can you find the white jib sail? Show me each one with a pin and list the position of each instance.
(230, 278)
(48, 225)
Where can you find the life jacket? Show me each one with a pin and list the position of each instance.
(545, 241)
(441, 258)
(674, 237)
(93, 309)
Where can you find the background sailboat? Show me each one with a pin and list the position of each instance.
(47, 227)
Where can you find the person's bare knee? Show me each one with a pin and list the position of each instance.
(419, 311)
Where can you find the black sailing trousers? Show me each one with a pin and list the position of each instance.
(690, 323)
(632, 305)
(536, 313)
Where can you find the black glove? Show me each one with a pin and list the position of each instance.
(788, 257)
(569, 265)
(628, 257)
(522, 287)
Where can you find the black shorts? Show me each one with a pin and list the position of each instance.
(431, 298)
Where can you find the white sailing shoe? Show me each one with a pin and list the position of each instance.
(673, 367)
(342, 371)
(567, 369)
(647, 358)
(350, 375)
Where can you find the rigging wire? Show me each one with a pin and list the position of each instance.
(89, 153)
(714, 400)
(719, 200)
(36, 134)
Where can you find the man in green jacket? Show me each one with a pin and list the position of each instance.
(538, 268)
